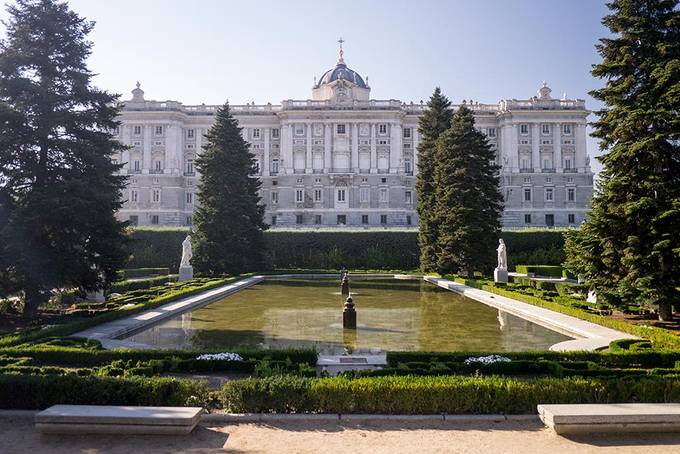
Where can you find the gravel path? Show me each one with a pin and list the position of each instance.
(524, 437)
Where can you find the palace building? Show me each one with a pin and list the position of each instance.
(344, 159)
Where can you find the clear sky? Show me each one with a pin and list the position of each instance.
(269, 50)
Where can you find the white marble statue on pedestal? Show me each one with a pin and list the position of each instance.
(186, 271)
(500, 274)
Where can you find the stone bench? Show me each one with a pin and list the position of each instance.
(101, 419)
(594, 418)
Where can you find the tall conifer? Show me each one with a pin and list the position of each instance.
(434, 121)
(468, 202)
(58, 187)
(229, 219)
(629, 248)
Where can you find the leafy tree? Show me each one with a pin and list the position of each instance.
(58, 186)
(434, 121)
(229, 219)
(468, 202)
(629, 248)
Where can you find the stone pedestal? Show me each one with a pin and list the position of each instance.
(186, 273)
(349, 315)
(97, 296)
(500, 275)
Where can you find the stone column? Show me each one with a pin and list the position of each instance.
(416, 140)
(173, 154)
(198, 134)
(126, 138)
(265, 152)
(308, 155)
(286, 149)
(327, 162)
(354, 162)
(557, 147)
(374, 152)
(535, 144)
(581, 151)
(146, 150)
(396, 149)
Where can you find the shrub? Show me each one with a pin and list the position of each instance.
(130, 273)
(127, 286)
(440, 394)
(38, 392)
(540, 270)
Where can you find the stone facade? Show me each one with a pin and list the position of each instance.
(342, 158)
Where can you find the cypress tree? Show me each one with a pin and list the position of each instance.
(468, 202)
(58, 186)
(629, 249)
(229, 219)
(434, 121)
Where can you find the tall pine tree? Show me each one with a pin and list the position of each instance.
(229, 219)
(58, 189)
(434, 121)
(629, 248)
(468, 202)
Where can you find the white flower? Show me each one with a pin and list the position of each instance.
(487, 359)
(225, 356)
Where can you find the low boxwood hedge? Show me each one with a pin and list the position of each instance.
(438, 394)
(130, 273)
(540, 270)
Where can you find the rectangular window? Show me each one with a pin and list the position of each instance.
(190, 198)
(383, 219)
(567, 163)
(527, 219)
(275, 133)
(408, 220)
(190, 220)
(317, 195)
(154, 219)
(136, 166)
(382, 195)
(408, 198)
(137, 130)
(134, 219)
(524, 129)
(545, 129)
(408, 168)
(256, 133)
(158, 166)
(317, 219)
(364, 194)
(492, 132)
(382, 129)
(364, 219)
(275, 166)
(527, 194)
(550, 220)
(298, 219)
(275, 197)
(156, 195)
(566, 129)
(524, 163)
(548, 194)
(299, 130)
(571, 194)
(571, 218)
(341, 195)
(190, 133)
(341, 219)
(407, 133)
(134, 196)
(159, 130)
(340, 129)
(299, 195)
(274, 220)
(190, 167)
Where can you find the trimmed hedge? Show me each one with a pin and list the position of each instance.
(127, 286)
(130, 273)
(540, 270)
(335, 249)
(439, 394)
(39, 392)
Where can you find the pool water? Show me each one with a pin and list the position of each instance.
(392, 315)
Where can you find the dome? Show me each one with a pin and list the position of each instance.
(341, 71)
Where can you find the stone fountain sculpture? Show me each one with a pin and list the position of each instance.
(186, 271)
(344, 285)
(500, 274)
(349, 314)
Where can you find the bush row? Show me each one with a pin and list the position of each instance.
(126, 286)
(438, 394)
(333, 249)
(38, 392)
(539, 270)
(130, 273)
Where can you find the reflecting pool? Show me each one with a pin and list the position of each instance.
(391, 315)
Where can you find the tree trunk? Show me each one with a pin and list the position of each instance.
(32, 301)
(665, 311)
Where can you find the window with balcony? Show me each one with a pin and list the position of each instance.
(568, 163)
(134, 196)
(299, 195)
(342, 195)
(136, 166)
(275, 166)
(408, 167)
(571, 194)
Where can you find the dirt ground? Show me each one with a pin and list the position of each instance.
(525, 437)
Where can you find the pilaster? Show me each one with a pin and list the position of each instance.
(308, 154)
